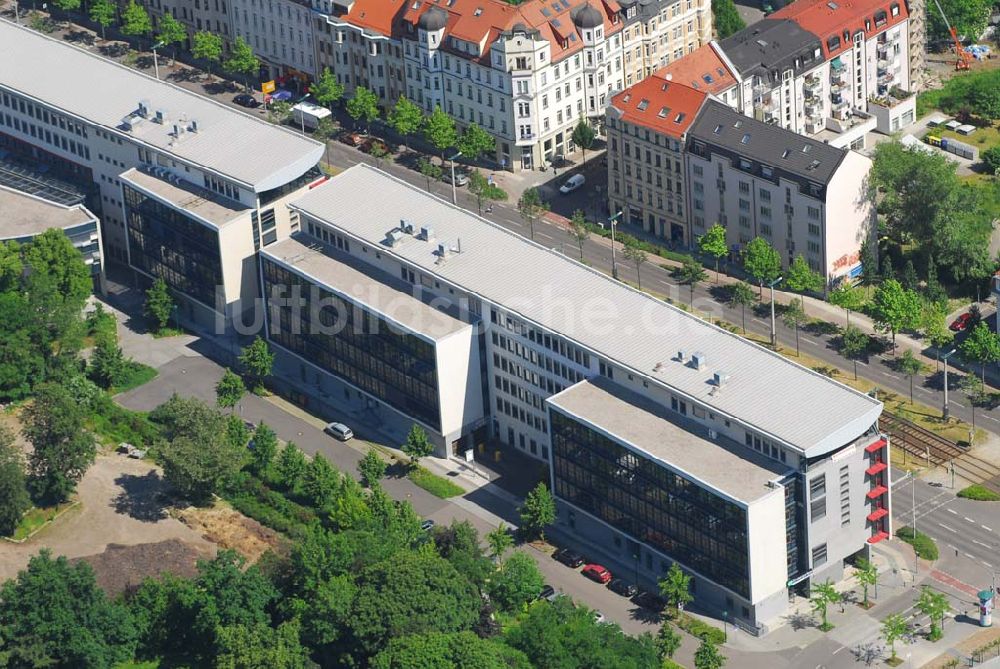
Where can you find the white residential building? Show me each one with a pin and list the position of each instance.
(280, 32)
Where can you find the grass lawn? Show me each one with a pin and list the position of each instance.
(924, 546)
(167, 332)
(36, 518)
(137, 375)
(434, 484)
(979, 493)
(982, 138)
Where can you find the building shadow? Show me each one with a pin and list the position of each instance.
(145, 498)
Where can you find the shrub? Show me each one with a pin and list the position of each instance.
(434, 484)
(922, 544)
(667, 663)
(251, 497)
(703, 631)
(979, 493)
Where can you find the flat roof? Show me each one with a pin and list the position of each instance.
(209, 206)
(788, 402)
(28, 215)
(363, 286)
(734, 470)
(83, 84)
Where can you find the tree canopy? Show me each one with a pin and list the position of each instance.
(61, 450)
(726, 19)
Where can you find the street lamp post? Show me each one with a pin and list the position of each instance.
(454, 188)
(944, 410)
(614, 262)
(774, 331)
(725, 626)
(156, 64)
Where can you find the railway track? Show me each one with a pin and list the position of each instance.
(934, 449)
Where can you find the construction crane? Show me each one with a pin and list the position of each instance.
(963, 62)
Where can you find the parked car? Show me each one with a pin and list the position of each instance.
(571, 184)
(427, 525)
(547, 592)
(962, 322)
(569, 558)
(354, 139)
(648, 600)
(280, 95)
(461, 176)
(596, 572)
(622, 587)
(599, 617)
(339, 431)
(369, 146)
(246, 100)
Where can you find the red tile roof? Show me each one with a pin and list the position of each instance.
(668, 107)
(828, 18)
(702, 69)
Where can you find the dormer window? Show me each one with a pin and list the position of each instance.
(643, 105)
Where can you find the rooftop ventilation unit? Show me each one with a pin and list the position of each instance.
(698, 360)
(406, 226)
(443, 250)
(427, 233)
(193, 126)
(178, 131)
(720, 379)
(682, 355)
(161, 116)
(143, 109)
(394, 237)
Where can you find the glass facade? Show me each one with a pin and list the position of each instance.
(651, 503)
(396, 367)
(165, 243)
(795, 541)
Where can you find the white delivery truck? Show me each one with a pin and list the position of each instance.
(309, 115)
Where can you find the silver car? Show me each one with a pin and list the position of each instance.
(339, 431)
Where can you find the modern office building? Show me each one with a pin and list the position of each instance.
(189, 188)
(668, 439)
(27, 215)
(526, 73)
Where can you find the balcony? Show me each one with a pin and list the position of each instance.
(876, 446)
(877, 537)
(876, 492)
(878, 513)
(812, 83)
(876, 468)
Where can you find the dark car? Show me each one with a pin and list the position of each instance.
(547, 592)
(622, 587)
(596, 572)
(427, 525)
(569, 558)
(648, 600)
(246, 100)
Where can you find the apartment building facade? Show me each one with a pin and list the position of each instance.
(196, 15)
(281, 34)
(172, 168)
(524, 73)
(631, 419)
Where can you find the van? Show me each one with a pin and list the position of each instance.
(339, 431)
(309, 115)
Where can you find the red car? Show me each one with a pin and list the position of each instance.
(962, 322)
(596, 572)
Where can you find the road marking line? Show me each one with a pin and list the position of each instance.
(986, 528)
(992, 419)
(969, 519)
(947, 528)
(810, 341)
(759, 321)
(975, 541)
(987, 564)
(957, 404)
(968, 556)
(952, 511)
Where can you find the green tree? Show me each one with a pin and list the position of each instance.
(741, 295)
(326, 89)
(853, 346)
(439, 130)
(14, 499)
(107, 363)
(762, 262)
(291, 466)
(708, 656)
(499, 541)
(725, 19)
(257, 361)
(435, 650)
(909, 279)
(985, 97)
(847, 297)
(320, 481)
(198, 469)
(430, 171)
(934, 291)
(417, 445)
(895, 308)
(372, 468)
(54, 615)
(229, 390)
(135, 20)
(237, 432)
(668, 641)
(103, 13)
(323, 132)
(974, 392)
(363, 106)
(870, 275)
(578, 230)
(802, 279)
(475, 141)
(484, 191)
(379, 152)
(675, 588)
(713, 243)
(260, 647)
(405, 117)
(67, 5)
(206, 46)
(62, 451)
(584, 136)
(867, 575)
(159, 304)
(242, 60)
(537, 512)
(968, 17)
(517, 583)
(171, 32)
(265, 447)
(794, 316)
(935, 330)
(690, 274)
(633, 253)
(909, 365)
(991, 159)
(279, 112)
(531, 207)
(894, 627)
(824, 594)
(935, 606)
(982, 346)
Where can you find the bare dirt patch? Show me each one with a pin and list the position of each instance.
(121, 568)
(228, 528)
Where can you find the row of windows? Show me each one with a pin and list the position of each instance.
(43, 134)
(42, 114)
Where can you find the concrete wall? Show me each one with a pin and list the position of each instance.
(459, 384)
(850, 216)
(766, 539)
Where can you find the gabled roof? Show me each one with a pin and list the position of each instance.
(837, 21)
(702, 69)
(769, 47)
(665, 106)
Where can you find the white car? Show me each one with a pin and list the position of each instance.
(339, 431)
(572, 184)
